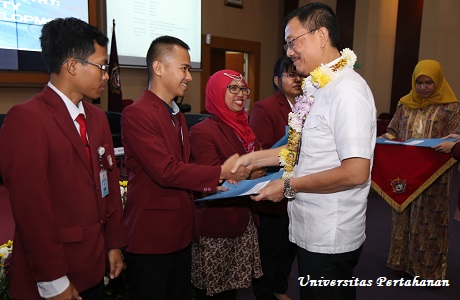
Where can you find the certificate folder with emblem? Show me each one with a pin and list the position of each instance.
(400, 173)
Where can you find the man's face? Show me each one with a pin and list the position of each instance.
(303, 46)
(176, 71)
(90, 80)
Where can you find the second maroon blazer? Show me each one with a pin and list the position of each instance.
(269, 119)
(213, 142)
(159, 208)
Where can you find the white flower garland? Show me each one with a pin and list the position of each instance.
(319, 78)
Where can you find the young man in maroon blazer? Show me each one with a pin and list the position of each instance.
(63, 184)
(268, 120)
(159, 208)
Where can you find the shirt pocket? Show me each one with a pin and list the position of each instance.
(317, 127)
(312, 122)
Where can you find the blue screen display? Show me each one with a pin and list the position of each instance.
(21, 22)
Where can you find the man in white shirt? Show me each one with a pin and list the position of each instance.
(330, 181)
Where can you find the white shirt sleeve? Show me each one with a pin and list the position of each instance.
(48, 289)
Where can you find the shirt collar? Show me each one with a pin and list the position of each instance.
(74, 110)
(174, 110)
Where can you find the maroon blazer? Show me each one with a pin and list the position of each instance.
(213, 142)
(63, 225)
(159, 210)
(269, 118)
(456, 154)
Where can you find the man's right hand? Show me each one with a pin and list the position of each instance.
(240, 174)
(70, 293)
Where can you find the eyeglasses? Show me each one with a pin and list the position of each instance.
(290, 44)
(234, 89)
(104, 68)
(294, 75)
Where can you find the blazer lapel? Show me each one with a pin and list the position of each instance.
(284, 105)
(186, 140)
(231, 136)
(94, 137)
(173, 134)
(159, 109)
(63, 119)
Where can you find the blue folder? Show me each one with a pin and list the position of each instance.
(283, 141)
(416, 142)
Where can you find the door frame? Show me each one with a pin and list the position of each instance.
(250, 47)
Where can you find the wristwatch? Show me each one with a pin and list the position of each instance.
(289, 192)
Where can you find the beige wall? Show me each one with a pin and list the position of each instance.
(250, 23)
(374, 39)
(373, 43)
(440, 37)
(11, 96)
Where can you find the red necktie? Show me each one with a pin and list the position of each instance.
(82, 122)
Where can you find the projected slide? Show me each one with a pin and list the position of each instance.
(138, 22)
(21, 20)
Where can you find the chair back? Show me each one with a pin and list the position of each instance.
(115, 127)
(193, 119)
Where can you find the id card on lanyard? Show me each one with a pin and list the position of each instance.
(103, 174)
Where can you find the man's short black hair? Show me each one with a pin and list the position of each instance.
(160, 46)
(62, 39)
(314, 16)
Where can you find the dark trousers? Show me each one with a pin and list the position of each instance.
(277, 254)
(159, 276)
(94, 293)
(320, 266)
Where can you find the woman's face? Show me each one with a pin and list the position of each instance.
(290, 83)
(235, 102)
(424, 86)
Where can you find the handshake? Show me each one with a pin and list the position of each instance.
(237, 168)
(233, 172)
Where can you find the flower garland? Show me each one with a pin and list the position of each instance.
(318, 78)
(5, 257)
(123, 191)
